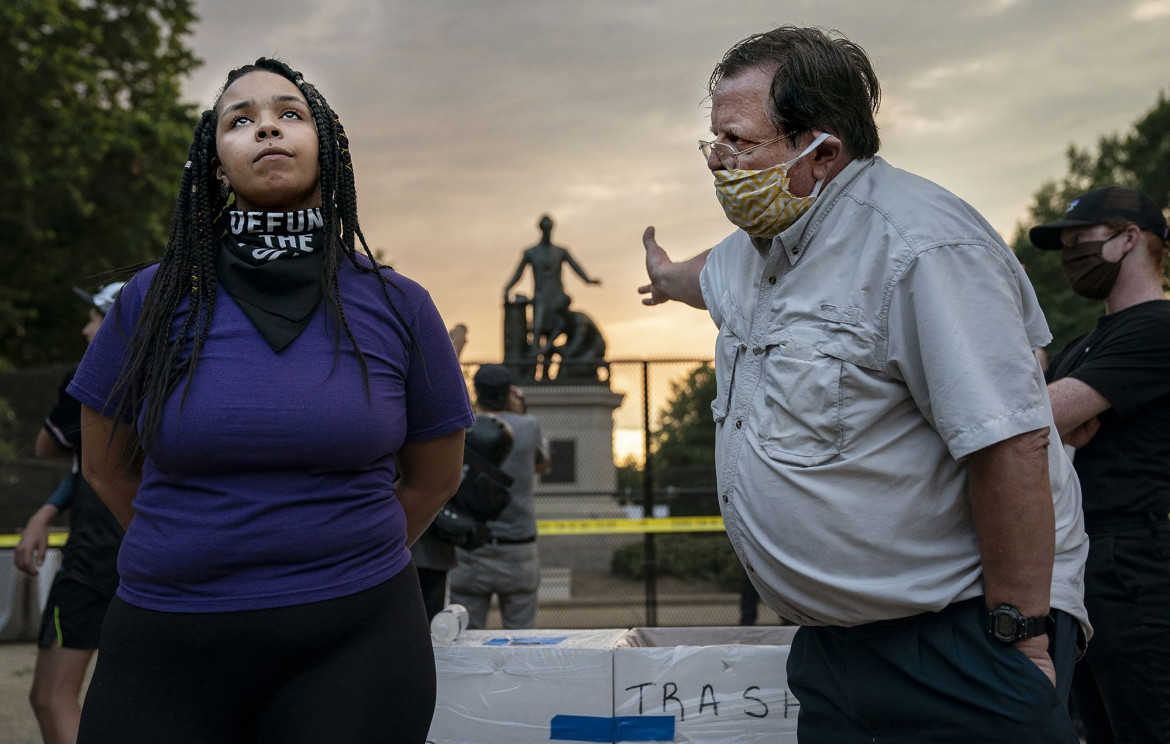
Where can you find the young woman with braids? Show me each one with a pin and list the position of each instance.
(275, 419)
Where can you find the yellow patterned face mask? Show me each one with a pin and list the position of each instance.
(759, 202)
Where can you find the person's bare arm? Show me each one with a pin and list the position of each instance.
(542, 466)
(670, 280)
(47, 448)
(458, 335)
(105, 463)
(524, 261)
(1074, 403)
(1011, 507)
(429, 475)
(576, 267)
(34, 540)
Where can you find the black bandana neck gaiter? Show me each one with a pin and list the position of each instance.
(271, 264)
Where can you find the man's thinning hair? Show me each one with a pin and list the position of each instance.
(820, 81)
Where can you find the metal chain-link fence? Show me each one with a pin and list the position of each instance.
(597, 570)
(26, 482)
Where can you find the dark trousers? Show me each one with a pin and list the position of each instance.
(1121, 689)
(935, 677)
(434, 590)
(354, 669)
(749, 601)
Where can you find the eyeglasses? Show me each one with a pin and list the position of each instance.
(728, 155)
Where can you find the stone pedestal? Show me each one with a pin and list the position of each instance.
(578, 421)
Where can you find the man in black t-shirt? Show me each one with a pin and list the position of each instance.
(88, 577)
(1110, 393)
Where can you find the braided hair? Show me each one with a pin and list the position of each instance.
(156, 362)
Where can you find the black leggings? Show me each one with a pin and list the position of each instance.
(354, 669)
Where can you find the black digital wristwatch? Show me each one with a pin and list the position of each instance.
(1006, 624)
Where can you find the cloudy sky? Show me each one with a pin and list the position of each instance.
(471, 118)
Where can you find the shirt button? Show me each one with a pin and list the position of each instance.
(771, 280)
(739, 424)
(758, 350)
(725, 499)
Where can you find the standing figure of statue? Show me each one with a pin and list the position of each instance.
(549, 298)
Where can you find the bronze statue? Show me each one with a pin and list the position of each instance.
(581, 352)
(546, 261)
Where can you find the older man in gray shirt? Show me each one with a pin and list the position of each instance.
(888, 469)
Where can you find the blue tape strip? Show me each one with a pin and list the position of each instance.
(611, 730)
(644, 728)
(581, 728)
(524, 641)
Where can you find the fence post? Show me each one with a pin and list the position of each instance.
(649, 560)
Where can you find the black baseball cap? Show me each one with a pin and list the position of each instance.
(493, 377)
(1100, 205)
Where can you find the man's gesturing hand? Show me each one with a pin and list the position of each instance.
(670, 280)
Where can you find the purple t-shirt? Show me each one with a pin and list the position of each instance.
(274, 485)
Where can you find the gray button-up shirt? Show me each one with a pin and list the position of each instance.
(882, 339)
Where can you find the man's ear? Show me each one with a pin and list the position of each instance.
(1133, 238)
(827, 158)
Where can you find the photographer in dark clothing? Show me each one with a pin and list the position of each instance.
(507, 565)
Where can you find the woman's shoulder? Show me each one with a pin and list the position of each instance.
(134, 292)
(364, 279)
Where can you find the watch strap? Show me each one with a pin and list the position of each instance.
(1034, 626)
(1008, 625)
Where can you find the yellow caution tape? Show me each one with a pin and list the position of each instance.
(544, 528)
(548, 527)
(56, 540)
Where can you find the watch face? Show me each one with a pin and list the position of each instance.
(1005, 625)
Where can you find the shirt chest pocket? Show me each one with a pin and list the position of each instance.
(802, 420)
(728, 347)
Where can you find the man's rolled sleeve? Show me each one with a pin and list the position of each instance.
(726, 260)
(957, 338)
(710, 286)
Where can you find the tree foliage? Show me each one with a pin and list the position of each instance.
(683, 447)
(1139, 159)
(697, 557)
(92, 144)
(682, 457)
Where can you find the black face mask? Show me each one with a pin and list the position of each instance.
(1088, 273)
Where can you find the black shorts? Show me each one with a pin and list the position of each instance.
(73, 616)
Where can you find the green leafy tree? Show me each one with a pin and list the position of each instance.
(91, 148)
(683, 464)
(683, 447)
(1139, 159)
(629, 476)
